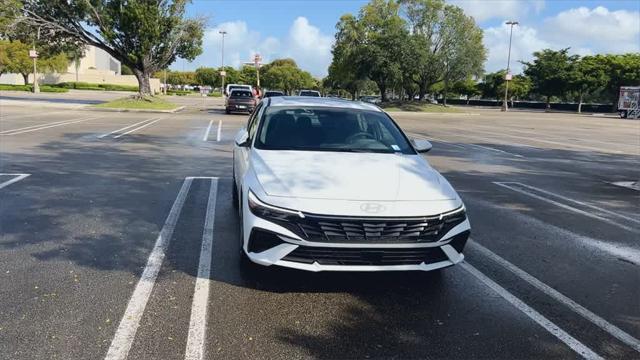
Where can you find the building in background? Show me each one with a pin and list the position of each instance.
(95, 67)
(96, 61)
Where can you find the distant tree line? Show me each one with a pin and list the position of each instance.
(280, 74)
(554, 75)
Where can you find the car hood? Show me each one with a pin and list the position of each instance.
(349, 176)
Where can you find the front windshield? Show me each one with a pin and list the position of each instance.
(329, 129)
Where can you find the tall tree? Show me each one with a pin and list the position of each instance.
(286, 76)
(588, 76)
(344, 70)
(550, 72)
(145, 35)
(467, 87)
(383, 33)
(446, 44)
(621, 70)
(208, 76)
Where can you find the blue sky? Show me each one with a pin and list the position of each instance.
(304, 30)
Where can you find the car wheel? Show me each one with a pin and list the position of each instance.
(623, 114)
(227, 111)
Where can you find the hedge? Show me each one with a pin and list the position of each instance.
(600, 108)
(89, 86)
(43, 88)
(178, 92)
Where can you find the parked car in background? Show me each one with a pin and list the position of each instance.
(331, 185)
(231, 87)
(240, 100)
(272, 93)
(312, 93)
(372, 99)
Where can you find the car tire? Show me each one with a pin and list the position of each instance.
(227, 111)
(623, 114)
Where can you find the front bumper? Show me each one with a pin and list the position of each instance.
(270, 243)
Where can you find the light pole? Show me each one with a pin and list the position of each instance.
(507, 76)
(222, 72)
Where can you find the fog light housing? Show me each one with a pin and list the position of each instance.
(262, 240)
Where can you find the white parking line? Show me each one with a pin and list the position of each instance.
(47, 126)
(597, 208)
(496, 150)
(565, 144)
(136, 129)
(124, 128)
(34, 126)
(197, 324)
(17, 178)
(206, 133)
(582, 311)
(122, 340)
(566, 207)
(219, 131)
(423, 137)
(16, 117)
(551, 327)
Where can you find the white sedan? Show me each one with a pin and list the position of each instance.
(324, 184)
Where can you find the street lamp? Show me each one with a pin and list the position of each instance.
(222, 72)
(507, 76)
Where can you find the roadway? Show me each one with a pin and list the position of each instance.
(103, 222)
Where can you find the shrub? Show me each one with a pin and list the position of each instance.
(215, 94)
(53, 89)
(178, 92)
(8, 87)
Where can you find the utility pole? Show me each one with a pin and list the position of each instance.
(34, 55)
(257, 62)
(165, 82)
(507, 77)
(222, 72)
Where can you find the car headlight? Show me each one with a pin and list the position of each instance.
(270, 212)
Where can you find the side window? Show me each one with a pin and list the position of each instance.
(252, 117)
(253, 123)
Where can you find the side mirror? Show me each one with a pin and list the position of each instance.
(421, 145)
(242, 139)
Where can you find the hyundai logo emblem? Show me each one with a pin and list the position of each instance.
(372, 208)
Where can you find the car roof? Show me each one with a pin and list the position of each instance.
(293, 101)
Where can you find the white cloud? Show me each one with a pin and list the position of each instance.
(240, 44)
(309, 47)
(525, 41)
(585, 31)
(304, 43)
(483, 10)
(597, 29)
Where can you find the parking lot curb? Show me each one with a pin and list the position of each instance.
(134, 110)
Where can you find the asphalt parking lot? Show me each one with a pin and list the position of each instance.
(118, 237)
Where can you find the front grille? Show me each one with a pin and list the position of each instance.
(334, 229)
(365, 256)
